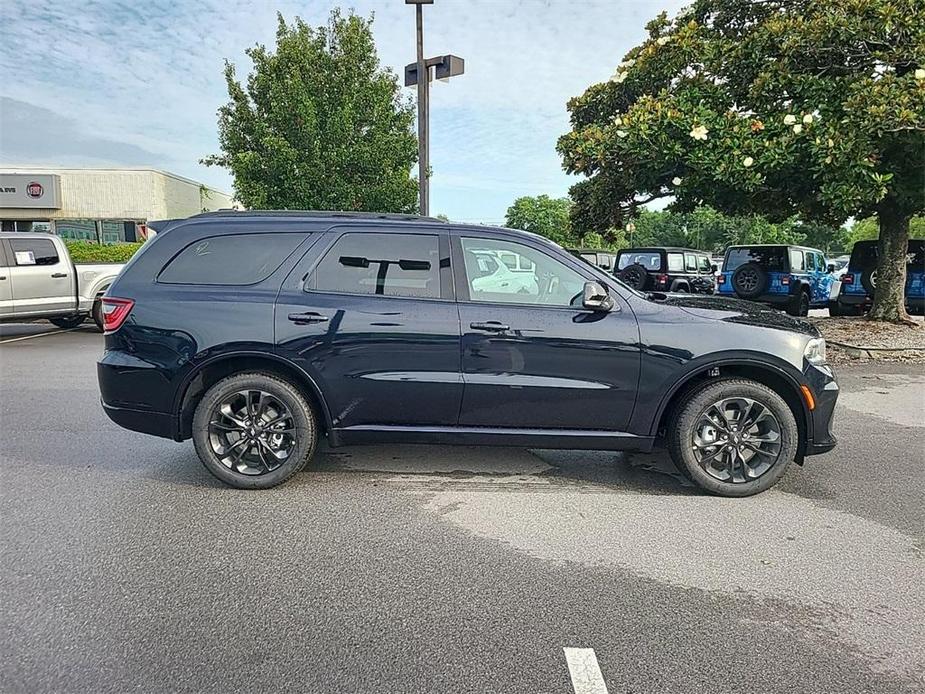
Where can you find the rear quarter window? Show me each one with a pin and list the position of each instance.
(237, 259)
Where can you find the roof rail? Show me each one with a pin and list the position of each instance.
(318, 213)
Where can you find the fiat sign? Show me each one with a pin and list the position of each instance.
(30, 190)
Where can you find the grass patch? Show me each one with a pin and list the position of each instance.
(88, 252)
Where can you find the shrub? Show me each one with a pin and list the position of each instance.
(88, 252)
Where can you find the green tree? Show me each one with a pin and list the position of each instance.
(319, 124)
(868, 229)
(543, 215)
(781, 107)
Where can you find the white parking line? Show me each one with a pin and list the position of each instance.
(585, 672)
(30, 337)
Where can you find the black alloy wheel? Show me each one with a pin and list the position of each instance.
(749, 281)
(634, 276)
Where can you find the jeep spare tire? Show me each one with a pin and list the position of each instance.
(869, 280)
(750, 281)
(634, 276)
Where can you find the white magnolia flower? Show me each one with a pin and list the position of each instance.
(808, 118)
(797, 128)
(790, 119)
(920, 73)
(662, 40)
(628, 63)
(630, 227)
(699, 132)
(621, 133)
(748, 161)
(617, 120)
(676, 181)
(618, 76)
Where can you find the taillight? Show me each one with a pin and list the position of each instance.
(662, 279)
(721, 279)
(847, 279)
(115, 311)
(785, 280)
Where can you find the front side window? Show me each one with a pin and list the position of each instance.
(238, 259)
(797, 263)
(34, 252)
(387, 264)
(548, 282)
(705, 265)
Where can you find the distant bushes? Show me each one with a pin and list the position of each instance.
(88, 252)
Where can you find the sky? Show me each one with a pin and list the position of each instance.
(127, 83)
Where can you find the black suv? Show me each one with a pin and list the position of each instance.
(666, 270)
(257, 333)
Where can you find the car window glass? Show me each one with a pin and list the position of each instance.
(548, 283)
(235, 259)
(796, 261)
(690, 262)
(704, 263)
(675, 262)
(386, 264)
(769, 257)
(649, 260)
(34, 252)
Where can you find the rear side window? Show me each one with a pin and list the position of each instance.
(690, 261)
(34, 252)
(231, 260)
(772, 258)
(796, 261)
(387, 264)
(675, 262)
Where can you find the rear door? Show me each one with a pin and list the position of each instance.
(370, 315)
(42, 279)
(535, 358)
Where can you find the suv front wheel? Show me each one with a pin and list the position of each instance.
(254, 431)
(733, 437)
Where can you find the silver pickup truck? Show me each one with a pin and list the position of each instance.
(38, 280)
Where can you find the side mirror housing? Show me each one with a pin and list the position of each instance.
(596, 298)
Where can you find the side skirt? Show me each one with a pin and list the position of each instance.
(567, 439)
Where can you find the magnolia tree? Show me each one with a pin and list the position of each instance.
(779, 107)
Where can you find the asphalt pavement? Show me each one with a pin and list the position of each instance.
(126, 567)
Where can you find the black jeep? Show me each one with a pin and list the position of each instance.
(666, 269)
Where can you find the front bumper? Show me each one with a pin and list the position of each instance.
(824, 388)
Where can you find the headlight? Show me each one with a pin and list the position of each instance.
(814, 352)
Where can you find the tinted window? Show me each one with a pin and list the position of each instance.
(773, 258)
(675, 262)
(548, 283)
(705, 264)
(386, 264)
(865, 253)
(231, 260)
(34, 252)
(796, 261)
(649, 260)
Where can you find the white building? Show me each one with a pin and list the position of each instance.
(104, 205)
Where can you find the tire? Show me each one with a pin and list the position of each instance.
(767, 471)
(97, 313)
(68, 322)
(682, 289)
(749, 281)
(869, 280)
(634, 276)
(799, 306)
(279, 399)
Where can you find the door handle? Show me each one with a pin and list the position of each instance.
(306, 318)
(59, 275)
(491, 326)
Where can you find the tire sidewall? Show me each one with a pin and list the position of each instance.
(759, 287)
(681, 431)
(634, 275)
(303, 419)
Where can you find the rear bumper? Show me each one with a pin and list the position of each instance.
(154, 423)
(865, 300)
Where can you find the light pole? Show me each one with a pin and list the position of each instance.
(418, 73)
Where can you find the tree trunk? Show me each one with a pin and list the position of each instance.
(890, 291)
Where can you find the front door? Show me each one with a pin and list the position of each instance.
(6, 286)
(371, 317)
(41, 280)
(532, 357)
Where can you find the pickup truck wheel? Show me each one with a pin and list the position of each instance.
(734, 437)
(68, 322)
(97, 313)
(254, 431)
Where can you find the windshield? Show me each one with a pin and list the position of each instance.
(773, 258)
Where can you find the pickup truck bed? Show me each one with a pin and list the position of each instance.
(39, 280)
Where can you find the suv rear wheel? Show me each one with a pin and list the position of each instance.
(799, 305)
(254, 431)
(733, 438)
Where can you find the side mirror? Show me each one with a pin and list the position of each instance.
(596, 297)
(831, 268)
